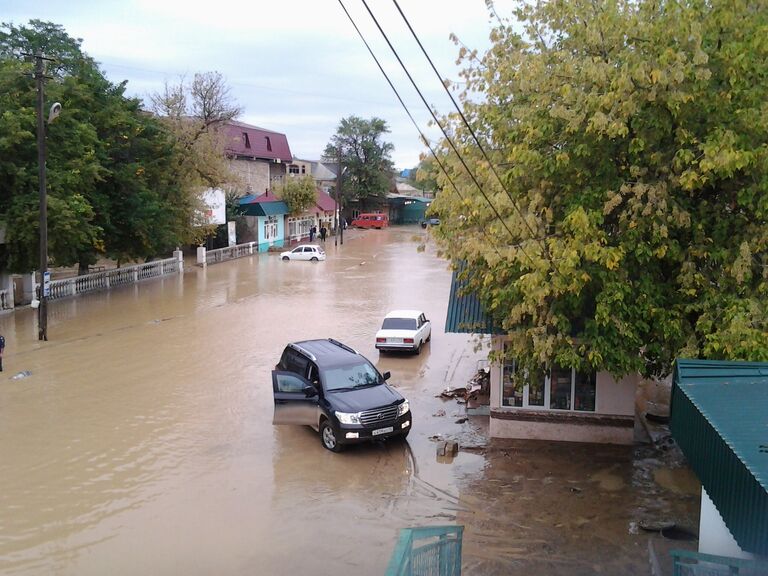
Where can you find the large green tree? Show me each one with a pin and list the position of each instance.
(194, 113)
(365, 157)
(631, 142)
(298, 193)
(110, 185)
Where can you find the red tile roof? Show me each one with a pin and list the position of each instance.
(260, 199)
(264, 144)
(325, 202)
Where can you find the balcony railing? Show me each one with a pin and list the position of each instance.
(688, 563)
(427, 551)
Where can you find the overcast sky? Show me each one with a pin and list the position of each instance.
(295, 66)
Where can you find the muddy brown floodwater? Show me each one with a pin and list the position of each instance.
(141, 441)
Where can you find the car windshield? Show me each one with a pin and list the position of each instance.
(399, 324)
(350, 376)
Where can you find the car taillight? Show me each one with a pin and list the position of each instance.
(381, 339)
(408, 340)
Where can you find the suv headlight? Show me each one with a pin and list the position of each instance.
(403, 408)
(348, 417)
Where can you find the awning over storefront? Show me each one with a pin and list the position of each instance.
(465, 313)
(276, 208)
(719, 418)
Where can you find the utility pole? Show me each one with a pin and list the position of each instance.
(339, 225)
(341, 199)
(42, 311)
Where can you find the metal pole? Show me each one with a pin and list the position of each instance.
(337, 216)
(340, 198)
(42, 322)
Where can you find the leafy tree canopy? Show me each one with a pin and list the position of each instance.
(424, 175)
(630, 140)
(111, 187)
(193, 112)
(365, 157)
(298, 193)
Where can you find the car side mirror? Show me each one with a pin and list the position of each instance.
(310, 391)
(386, 375)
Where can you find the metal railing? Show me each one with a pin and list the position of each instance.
(229, 253)
(111, 278)
(689, 563)
(427, 551)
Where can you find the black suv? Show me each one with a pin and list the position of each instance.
(329, 386)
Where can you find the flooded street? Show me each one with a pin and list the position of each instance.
(142, 440)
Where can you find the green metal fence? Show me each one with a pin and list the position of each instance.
(427, 551)
(687, 563)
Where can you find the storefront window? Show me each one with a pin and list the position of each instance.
(584, 396)
(556, 389)
(560, 388)
(270, 228)
(536, 388)
(520, 387)
(512, 385)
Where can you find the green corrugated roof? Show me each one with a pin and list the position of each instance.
(265, 208)
(465, 313)
(719, 418)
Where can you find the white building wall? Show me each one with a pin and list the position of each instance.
(254, 175)
(714, 536)
(614, 397)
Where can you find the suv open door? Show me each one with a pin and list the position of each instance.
(295, 399)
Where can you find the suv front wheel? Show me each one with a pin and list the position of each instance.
(328, 437)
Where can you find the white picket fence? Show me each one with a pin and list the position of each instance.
(115, 277)
(223, 254)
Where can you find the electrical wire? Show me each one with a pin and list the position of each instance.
(442, 129)
(469, 127)
(408, 112)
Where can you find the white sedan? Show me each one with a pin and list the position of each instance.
(404, 330)
(304, 252)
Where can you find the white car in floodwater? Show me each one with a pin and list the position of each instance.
(404, 330)
(311, 252)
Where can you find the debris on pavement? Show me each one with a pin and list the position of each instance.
(447, 448)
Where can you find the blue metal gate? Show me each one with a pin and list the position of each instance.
(427, 551)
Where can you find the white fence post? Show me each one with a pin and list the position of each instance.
(179, 255)
(28, 282)
(6, 286)
(201, 256)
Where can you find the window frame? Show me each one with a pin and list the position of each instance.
(547, 373)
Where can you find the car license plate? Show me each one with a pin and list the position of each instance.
(382, 431)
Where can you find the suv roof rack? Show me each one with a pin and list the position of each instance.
(303, 351)
(340, 345)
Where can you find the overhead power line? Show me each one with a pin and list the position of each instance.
(445, 133)
(408, 112)
(471, 131)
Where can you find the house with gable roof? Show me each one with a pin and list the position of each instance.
(258, 157)
(265, 216)
(322, 213)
